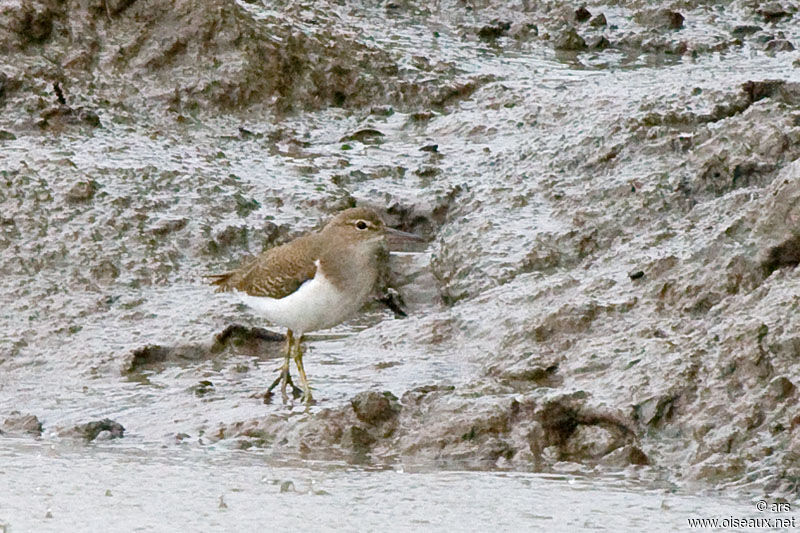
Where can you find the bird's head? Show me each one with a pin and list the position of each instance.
(363, 225)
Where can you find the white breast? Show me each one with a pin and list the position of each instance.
(317, 304)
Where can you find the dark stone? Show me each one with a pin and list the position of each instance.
(598, 42)
(65, 115)
(779, 45)
(780, 388)
(81, 191)
(35, 22)
(582, 14)
(786, 254)
(166, 226)
(764, 38)
(365, 136)
(674, 20)
(599, 20)
(88, 117)
(233, 235)
(758, 90)
(654, 410)
(244, 133)
(569, 39)
(745, 29)
(203, 388)
(360, 438)
(115, 7)
(559, 421)
(59, 93)
(428, 389)
(748, 172)
(18, 423)
(430, 148)
(660, 19)
(421, 116)
(531, 29)
(147, 355)
(636, 274)
(774, 11)
(245, 206)
(542, 376)
(373, 407)
(394, 301)
(238, 335)
(493, 30)
(427, 172)
(92, 430)
(638, 457)
(382, 110)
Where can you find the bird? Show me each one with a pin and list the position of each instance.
(315, 281)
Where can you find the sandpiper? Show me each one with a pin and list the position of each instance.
(315, 281)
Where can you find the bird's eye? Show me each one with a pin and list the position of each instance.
(361, 224)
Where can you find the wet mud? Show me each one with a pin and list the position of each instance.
(611, 195)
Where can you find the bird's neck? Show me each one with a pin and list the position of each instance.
(352, 268)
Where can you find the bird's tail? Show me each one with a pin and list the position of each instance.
(222, 281)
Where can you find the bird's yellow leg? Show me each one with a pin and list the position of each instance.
(284, 377)
(298, 360)
(285, 368)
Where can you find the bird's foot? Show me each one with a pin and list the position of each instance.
(307, 399)
(284, 379)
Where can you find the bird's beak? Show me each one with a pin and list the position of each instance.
(398, 240)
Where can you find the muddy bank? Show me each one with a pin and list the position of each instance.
(184, 57)
(611, 193)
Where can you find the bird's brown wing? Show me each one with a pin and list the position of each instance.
(276, 273)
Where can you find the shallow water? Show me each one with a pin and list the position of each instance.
(124, 488)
